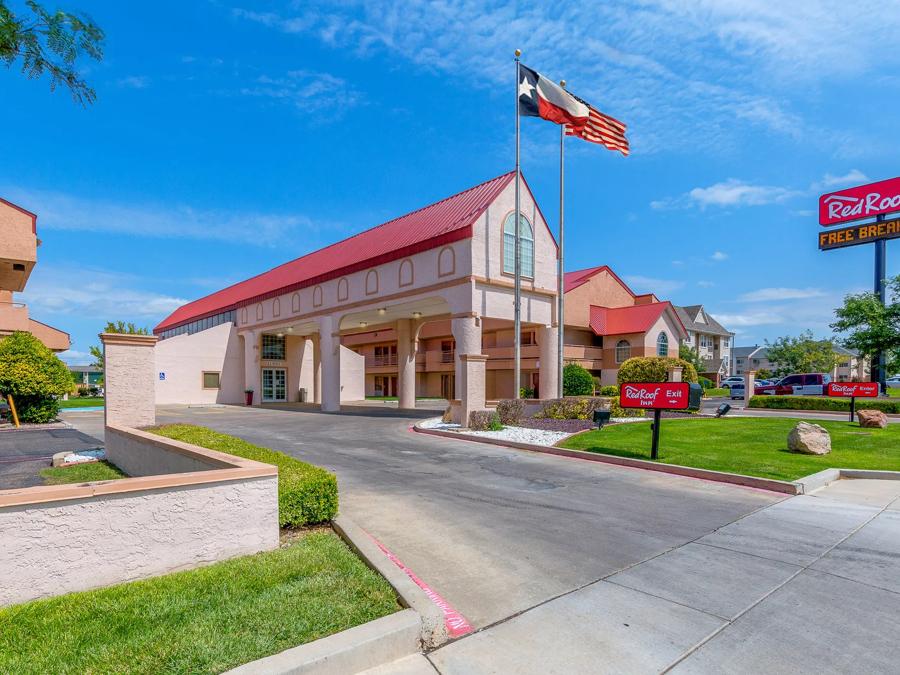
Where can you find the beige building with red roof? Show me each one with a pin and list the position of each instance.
(445, 268)
(18, 256)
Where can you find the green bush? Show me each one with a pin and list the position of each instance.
(654, 369)
(485, 420)
(707, 383)
(571, 408)
(307, 494)
(34, 376)
(577, 381)
(510, 411)
(821, 403)
(618, 411)
(526, 392)
(609, 390)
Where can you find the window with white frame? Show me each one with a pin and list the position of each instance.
(273, 347)
(662, 344)
(623, 351)
(526, 242)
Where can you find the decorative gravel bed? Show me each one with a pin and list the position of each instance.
(568, 426)
(549, 432)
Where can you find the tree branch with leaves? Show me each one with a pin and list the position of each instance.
(51, 42)
(871, 327)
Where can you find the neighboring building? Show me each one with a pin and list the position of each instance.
(606, 323)
(850, 368)
(425, 299)
(86, 376)
(712, 341)
(18, 256)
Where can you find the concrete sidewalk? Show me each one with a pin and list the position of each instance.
(813, 580)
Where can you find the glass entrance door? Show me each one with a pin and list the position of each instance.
(274, 385)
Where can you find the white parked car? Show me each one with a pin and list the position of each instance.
(734, 379)
(894, 382)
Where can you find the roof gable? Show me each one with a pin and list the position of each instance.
(442, 222)
(634, 319)
(572, 280)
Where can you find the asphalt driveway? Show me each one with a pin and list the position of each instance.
(24, 452)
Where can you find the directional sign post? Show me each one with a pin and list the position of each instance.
(875, 200)
(853, 389)
(655, 396)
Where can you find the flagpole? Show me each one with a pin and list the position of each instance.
(560, 317)
(518, 266)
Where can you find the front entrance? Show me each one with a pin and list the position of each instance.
(386, 385)
(274, 385)
(448, 386)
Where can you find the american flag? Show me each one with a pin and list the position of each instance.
(600, 128)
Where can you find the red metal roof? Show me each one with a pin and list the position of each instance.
(573, 280)
(620, 320)
(448, 220)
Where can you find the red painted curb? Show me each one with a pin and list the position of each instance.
(767, 484)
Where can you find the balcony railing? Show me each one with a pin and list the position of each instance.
(448, 356)
(583, 352)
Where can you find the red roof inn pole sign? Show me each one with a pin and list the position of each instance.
(655, 396)
(864, 202)
(853, 389)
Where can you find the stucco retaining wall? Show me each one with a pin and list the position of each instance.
(144, 454)
(59, 539)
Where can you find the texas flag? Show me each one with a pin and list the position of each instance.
(540, 97)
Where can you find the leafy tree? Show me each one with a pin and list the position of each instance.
(692, 356)
(34, 376)
(763, 374)
(577, 380)
(50, 42)
(801, 354)
(871, 326)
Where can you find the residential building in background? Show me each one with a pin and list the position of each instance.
(712, 341)
(18, 256)
(851, 367)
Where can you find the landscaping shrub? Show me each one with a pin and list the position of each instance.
(618, 411)
(447, 417)
(609, 390)
(485, 420)
(526, 392)
(510, 411)
(34, 376)
(307, 494)
(707, 383)
(577, 381)
(571, 408)
(597, 385)
(821, 403)
(654, 369)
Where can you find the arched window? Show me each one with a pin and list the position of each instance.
(662, 344)
(623, 351)
(526, 238)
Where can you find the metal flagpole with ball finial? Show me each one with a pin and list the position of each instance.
(517, 384)
(560, 315)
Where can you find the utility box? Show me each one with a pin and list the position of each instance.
(302, 397)
(695, 395)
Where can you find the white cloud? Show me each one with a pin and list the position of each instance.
(659, 287)
(749, 319)
(61, 211)
(134, 82)
(99, 295)
(75, 357)
(308, 91)
(780, 294)
(706, 284)
(852, 177)
(719, 256)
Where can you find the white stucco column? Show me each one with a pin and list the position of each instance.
(252, 374)
(317, 369)
(406, 364)
(470, 366)
(129, 379)
(330, 344)
(548, 339)
(749, 386)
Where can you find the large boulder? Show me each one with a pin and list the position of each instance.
(874, 419)
(809, 439)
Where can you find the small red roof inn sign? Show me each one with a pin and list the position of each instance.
(862, 201)
(853, 389)
(655, 395)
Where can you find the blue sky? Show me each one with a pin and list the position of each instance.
(229, 137)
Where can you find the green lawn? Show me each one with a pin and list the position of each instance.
(200, 621)
(893, 393)
(81, 402)
(81, 473)
(751, 446)
(716, 391)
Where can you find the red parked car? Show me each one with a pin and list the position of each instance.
(805, 384)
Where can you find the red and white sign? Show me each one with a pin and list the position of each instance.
(859, 389)
(652, 395)
(856, 203)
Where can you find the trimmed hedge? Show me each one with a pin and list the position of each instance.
(572, 408)
(822, 403)
(577, 380)
(307, 494)
(654, 369)
(609, 390)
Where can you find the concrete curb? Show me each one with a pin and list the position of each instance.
(770, 484)
(822, 478)
(433, 627)
(350, 651)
